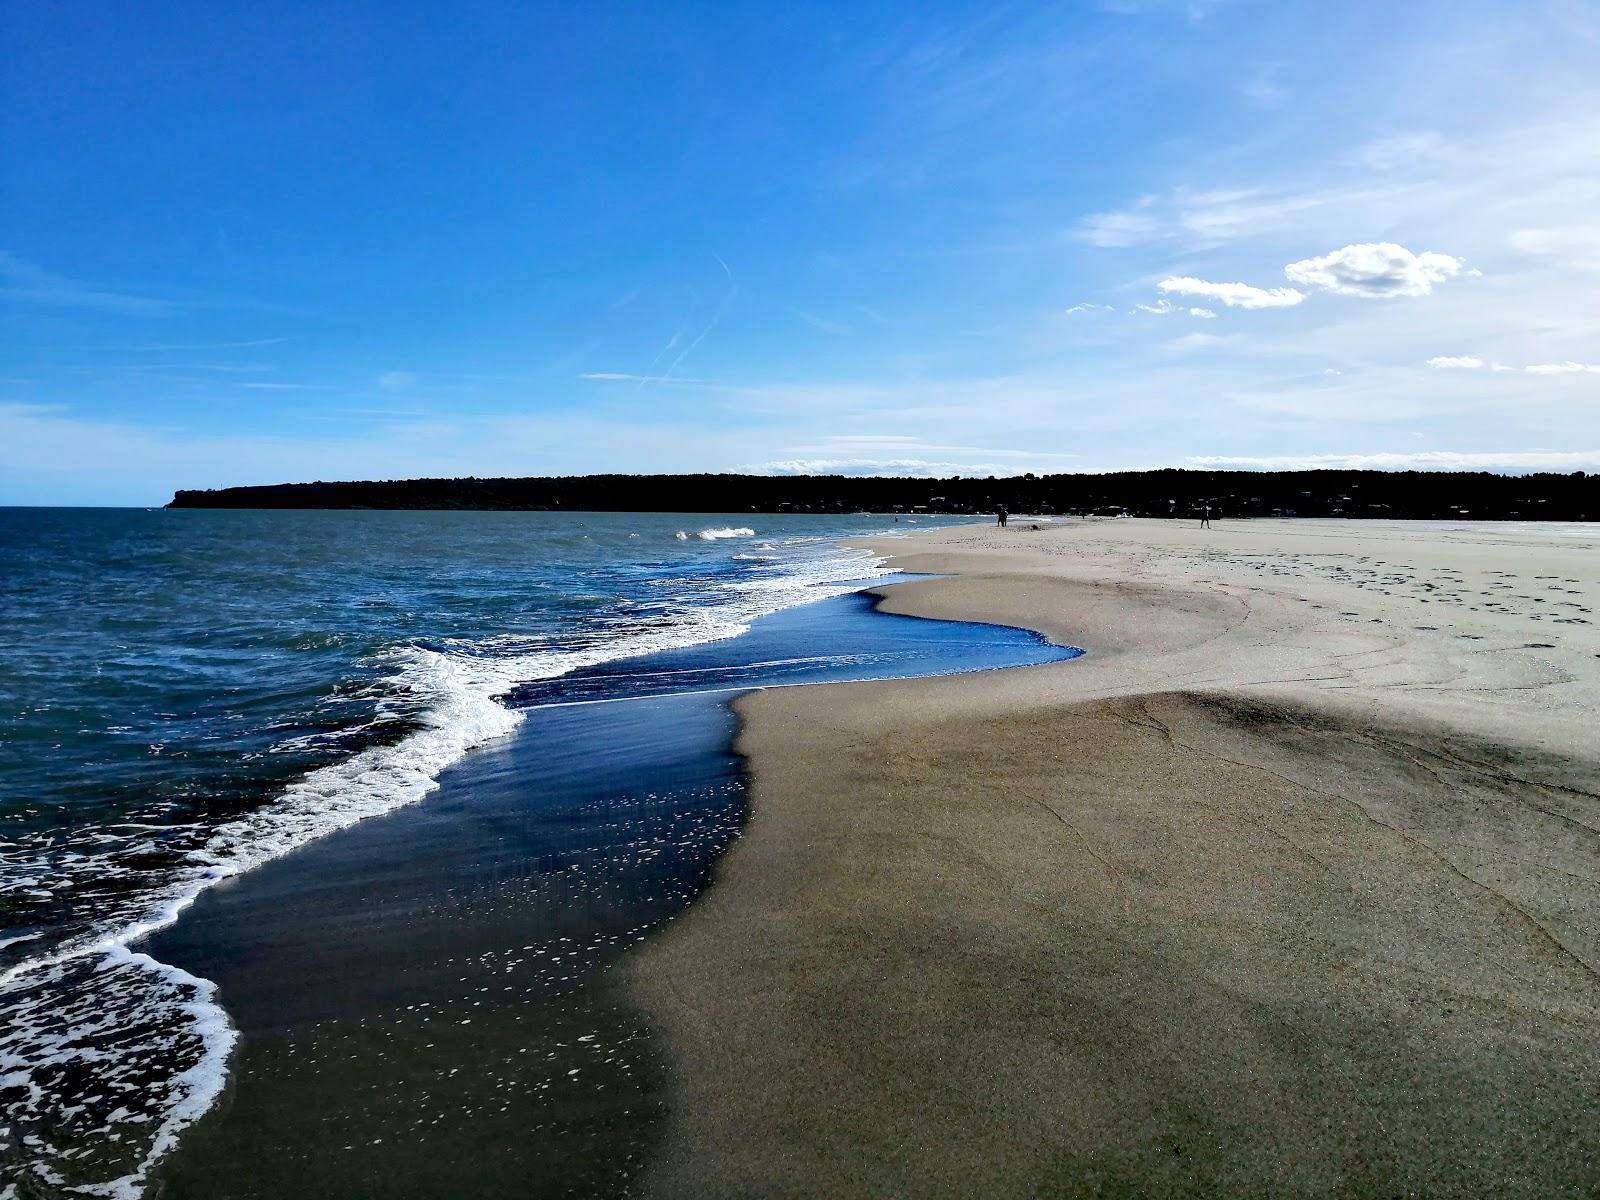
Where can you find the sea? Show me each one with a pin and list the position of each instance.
(189, 696)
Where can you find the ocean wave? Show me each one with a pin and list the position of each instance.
(132, 1046)
(717, 534)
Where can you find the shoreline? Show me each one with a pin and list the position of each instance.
(434, 992)
(336, 700)
(1290, 884)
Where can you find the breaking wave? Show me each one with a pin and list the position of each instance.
(717, 534)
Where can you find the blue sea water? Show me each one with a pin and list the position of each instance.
(185, 696)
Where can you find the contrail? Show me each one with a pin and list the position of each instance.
(649, 372)
(727, 299)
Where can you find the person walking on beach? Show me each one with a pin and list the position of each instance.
(1000, 516)
(1205, 516)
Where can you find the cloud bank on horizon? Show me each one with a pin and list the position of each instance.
(910, 239)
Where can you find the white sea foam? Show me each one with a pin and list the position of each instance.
(156, 1031)
(713, 535)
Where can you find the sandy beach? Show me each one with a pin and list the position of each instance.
(1290, 886)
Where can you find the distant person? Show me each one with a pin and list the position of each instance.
(1000, 516)
(1205, 517)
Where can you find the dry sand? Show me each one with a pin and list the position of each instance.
(1290, 887)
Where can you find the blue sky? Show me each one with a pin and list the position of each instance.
(253, 243)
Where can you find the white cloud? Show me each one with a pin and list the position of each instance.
(1471, 362)
(1162, 308)
(1234, 295)
(1563, 368)
(1086, 307)
(1510, 461)
(1371, 269)
(1375, 270)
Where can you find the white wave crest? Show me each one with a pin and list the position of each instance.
(712, 535)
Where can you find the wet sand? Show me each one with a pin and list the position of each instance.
(1292, 886)
(428, 1002)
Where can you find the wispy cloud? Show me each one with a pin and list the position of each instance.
(629, 377)
(1195, 11)
(1125, 227)
(1563, 368)
(23, 282)
(1399, 150)
(877, 454)
(857, 443)
(1162, 308)
(1509, 461)
(217, 368)
(820, 323)
(912, 467)
(164, 347)
(1570, 246)
(254, 343)
(1207, 218)
(1264, 87)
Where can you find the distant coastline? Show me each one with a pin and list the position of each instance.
(1401, 495)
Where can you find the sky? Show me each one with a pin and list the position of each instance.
(247, 243)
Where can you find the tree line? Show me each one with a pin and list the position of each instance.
(1165, 493)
